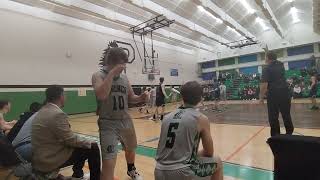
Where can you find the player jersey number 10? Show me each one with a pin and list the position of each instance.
(118, 103)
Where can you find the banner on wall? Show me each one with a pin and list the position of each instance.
(82, 92)
(174, 72)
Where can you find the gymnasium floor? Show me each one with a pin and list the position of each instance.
(239, 133)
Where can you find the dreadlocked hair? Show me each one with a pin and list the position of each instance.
(113, 55)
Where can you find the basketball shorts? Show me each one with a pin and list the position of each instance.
(223, 96)
(114, 131)
(216, 95)
(200, 169)
(160, 101)
(313, 92)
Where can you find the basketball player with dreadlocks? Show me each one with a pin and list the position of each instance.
(114, 92)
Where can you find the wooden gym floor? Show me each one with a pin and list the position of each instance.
(239, 133)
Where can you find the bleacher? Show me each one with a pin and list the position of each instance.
(235, 86)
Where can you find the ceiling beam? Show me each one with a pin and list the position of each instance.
(219, 13)
(73, 10)
(157, 9)
(267, 11)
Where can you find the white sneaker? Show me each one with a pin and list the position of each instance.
(86, 176)
(134, 175)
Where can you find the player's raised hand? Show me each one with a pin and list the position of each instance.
(116, 70)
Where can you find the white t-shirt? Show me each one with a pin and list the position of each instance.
(222, 88)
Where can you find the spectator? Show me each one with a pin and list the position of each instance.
(22, 141)
(250, 94)
(245, 93)
(291, 86)
(313, 91)
(55, 145)
(34, 107)
(5, 107)
(297, 91)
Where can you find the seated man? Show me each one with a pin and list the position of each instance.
(22, 141)
(177, 155)
(54, 145)
(34, 107)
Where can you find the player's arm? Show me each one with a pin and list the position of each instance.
(102, 87)
(164, 91)
(4, 125)
(205, 136)
(176, 91)
(133, 98)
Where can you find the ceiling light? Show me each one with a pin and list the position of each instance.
(293, 10)
(290, 1)
(201, 8)
(247, 6)
(294, 13)
(219, 20)
(261, 22)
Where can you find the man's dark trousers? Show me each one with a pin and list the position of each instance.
(279, 101)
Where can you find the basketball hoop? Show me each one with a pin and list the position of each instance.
(151, 68)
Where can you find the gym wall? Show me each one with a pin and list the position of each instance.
(37, 52)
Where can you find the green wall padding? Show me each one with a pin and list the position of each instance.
(225, 62)
(231, 71)
(75, 104)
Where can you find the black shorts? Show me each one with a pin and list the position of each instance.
(160, 101)
(313, 92)
(216, 95)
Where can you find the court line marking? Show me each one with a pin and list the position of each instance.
(150, 140)
(244, 144)
(152, 148)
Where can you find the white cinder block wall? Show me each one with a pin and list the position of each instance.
(34, 51)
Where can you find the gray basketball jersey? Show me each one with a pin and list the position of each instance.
(115, 107)
(179, 139)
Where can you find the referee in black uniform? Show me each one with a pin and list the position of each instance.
(273, 82)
